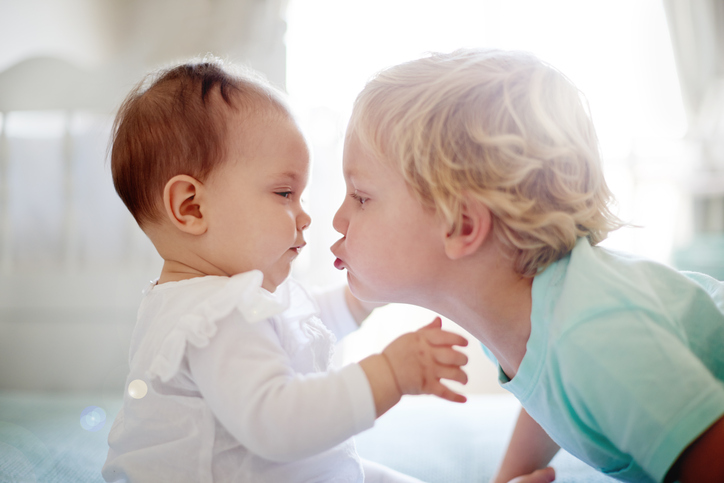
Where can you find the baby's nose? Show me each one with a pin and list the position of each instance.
(304, 220)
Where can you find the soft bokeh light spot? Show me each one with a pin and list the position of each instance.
(137, 389)
(93, 418)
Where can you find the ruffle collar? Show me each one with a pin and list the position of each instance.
(242, 292)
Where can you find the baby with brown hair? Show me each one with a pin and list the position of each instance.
(236, 361)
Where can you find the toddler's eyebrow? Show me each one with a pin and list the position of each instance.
(350, 173)
(354, 174)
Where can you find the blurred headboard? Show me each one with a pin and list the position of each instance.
(72, 261)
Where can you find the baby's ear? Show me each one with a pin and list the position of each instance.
(476, 225)
(182, 201)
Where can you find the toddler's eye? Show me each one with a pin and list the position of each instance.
(360, 199)
(284, 194)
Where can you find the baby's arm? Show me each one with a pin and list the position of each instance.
(414, 363)
(247, 379)
(530, 449)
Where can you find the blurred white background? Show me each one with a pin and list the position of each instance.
(72, 262)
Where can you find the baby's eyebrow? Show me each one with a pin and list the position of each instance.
(288, 175)
(292, 177)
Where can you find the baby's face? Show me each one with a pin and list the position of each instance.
(391, 245)
(255, 216)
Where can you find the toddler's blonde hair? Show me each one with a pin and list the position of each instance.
(500, 127)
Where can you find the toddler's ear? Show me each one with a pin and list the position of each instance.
(182, 198)
(477, 224)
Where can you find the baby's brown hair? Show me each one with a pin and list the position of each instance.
(174, 122)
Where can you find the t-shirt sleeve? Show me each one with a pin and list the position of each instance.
(247, 380)
(713, 287)
(639, 386)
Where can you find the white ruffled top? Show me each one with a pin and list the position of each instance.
(240, 387)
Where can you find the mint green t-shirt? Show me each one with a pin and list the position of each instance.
(624, 366)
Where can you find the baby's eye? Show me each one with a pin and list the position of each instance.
(284, 194)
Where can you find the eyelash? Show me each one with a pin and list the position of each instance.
(359, 198)
(285, 194)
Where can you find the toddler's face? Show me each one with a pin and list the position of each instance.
(390, 244)
(255, 216)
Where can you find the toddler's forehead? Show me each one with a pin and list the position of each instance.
(360, 150)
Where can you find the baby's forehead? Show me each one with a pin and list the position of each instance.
(269, 143)
(249, 124)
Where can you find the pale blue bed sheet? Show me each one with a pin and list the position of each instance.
(42, 440)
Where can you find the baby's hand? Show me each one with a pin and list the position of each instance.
(420, 359)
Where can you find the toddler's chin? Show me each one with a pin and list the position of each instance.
(363, 293)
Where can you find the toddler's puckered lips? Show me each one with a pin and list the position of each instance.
(298, 248)
(338, 263)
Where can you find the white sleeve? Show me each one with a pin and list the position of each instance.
(334, 311)
(248, 382)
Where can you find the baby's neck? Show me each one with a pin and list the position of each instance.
(174, 271)
(182, 260)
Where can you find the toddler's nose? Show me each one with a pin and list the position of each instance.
(338, 222)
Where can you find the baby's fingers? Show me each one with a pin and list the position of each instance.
(443, 337)
(453, 373)
(444, 392)
(449, 357)
(435, 324)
